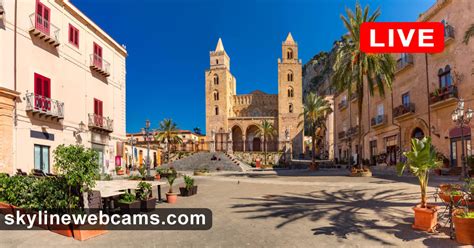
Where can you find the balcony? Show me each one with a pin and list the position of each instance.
(99, 65)
(341, 135)
(443, 97)
(100, 124)
(353, 131)
(448, 33)
(404, 62)
(44, 106)
(378, 121)
(354, 97)
(342, 105)
(403, 111)
(44, 30)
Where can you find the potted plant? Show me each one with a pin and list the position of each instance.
(189, 189)
(159, 171)
(5, 207)
(171, 175)
(119, 171)
(420, 160)
(128, 203)
(463, 218)
(147, 202)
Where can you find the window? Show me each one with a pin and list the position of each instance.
(216, 95)
(73, 35)
(42, 93)
(290, 92)
(406, 99)
(380, 110)
(216, 110)
(217, 61)
(444, 76)
(98, 113)
(43, 18)
(42, 158)
(97, 56)
(289, 53)
(290, 76)
(290, 108)
(373, 148)
(216, 79)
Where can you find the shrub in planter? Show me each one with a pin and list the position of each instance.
(171, 175)
(147, 203)
(420, 160)
(128, 204)
(5, 207)
(159, 173)
(189, 189)
(463, 218)
(119, 171)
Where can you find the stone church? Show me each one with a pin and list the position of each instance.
(232, 121)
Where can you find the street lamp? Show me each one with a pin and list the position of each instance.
(462, 117)
(147, 134)
(132, 141)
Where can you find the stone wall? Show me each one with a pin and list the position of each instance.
(273, 158)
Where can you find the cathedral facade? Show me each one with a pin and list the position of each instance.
(232, 121)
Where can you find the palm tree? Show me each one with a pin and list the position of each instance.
(267, 131)
(469, 33)
(315, 112)
(354, 69)
(197, 130)
(168, 133)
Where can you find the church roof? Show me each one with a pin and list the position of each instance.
(220, 46)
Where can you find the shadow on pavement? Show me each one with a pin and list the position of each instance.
(344, 212)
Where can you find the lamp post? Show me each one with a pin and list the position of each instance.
(132, 141)
(462, 116)
(147, 134)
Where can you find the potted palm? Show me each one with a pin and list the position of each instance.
(171, 175)
(159, 171)
(147, 202)
(420, 160)
(463, 218)
(189, 189)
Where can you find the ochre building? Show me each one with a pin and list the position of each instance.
(232, 121)
(425, 92)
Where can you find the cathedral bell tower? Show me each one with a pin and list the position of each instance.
(290, 95)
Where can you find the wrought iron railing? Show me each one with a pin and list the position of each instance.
(352, 131)
(403, 109)
(378, 120)
(341, 135)
(43, 25)
(99, 63)
(404, 61)
(342, 104)
(101, 122)
(443, 93)
(44, 105)
(448, 32)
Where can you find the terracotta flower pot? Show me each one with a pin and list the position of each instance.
(171, 197)
(5, 208)
(64, 230)
(445, 187)
(120, 172)
(85, 232)
(157, 176)
(457, 199)
(464, 228)
(425, 218)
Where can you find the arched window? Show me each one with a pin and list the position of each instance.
(217, 61)
(290, 108)
(216, 79)
(290, 91)
(290, 76)
(444, 76)
(216, 95)
(289, 53)
(216, 110)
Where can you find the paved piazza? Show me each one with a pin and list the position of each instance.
(291, 209)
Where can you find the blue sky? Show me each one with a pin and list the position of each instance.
(168, 42)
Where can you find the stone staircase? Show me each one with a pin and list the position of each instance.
(242, 165)
(202, 160)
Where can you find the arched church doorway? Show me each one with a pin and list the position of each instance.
(253, 139)
(237, 141)
(417, 133)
